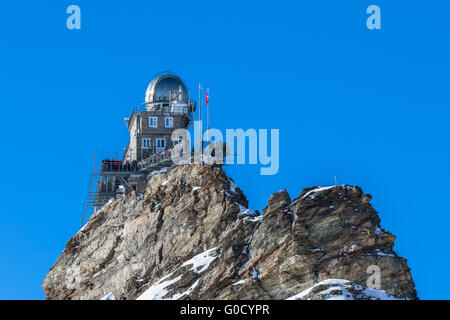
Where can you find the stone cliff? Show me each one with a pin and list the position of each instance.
(191, 236)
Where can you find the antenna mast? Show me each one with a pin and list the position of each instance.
(200, 116)
(207, 115)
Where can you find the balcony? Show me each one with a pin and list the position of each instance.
(183, 108)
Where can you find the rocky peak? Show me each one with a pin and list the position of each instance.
(191, 236)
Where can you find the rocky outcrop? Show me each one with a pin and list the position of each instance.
(191, 236)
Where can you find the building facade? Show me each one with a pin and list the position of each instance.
(167, 107)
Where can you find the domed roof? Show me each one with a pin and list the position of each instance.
(166, 87)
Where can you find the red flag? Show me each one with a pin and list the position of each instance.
(207, 97)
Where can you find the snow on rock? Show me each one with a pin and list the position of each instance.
(253, 219)
(120, 191)
(255, 274)
(233, 186)
(248, 214)
(83, 227)
(158, 290)
(340, 289)
(243, 210)
(109, 296)
(202, 260)
(378, 252)
(208, 159)
(187, 292)
(310, 195)
(239, 282)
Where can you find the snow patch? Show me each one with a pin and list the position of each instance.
(159, 289)
(187, 292)
(251, 215)
(202, 260)
(310, 195)
(199, 264)
(208, 159)
(239, 282)
(255, 274)
(121, 191)
(109, 296)
(378, 252)
(253, 219)
(341, 291)
(83, 227)
(233, 186)
(244, 210)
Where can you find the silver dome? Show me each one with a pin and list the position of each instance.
(166, 88)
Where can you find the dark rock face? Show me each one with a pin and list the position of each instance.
(191, 236)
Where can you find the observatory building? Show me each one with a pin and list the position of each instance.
(167, 107)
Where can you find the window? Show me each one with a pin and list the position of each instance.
(153, 122)
(169, 122)
(160, 143)
(177, 141)
(145, 143)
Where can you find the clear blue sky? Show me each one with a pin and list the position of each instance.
(370, 107)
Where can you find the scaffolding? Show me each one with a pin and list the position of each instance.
(111, 181)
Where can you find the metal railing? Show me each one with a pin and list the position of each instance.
(159, 109)
(119, 166)
(155, 158)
